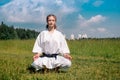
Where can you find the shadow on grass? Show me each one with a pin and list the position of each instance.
(32, 70)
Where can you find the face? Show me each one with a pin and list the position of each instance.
(51, 22)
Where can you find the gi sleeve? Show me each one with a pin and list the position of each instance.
(37, 45)
(63, 46)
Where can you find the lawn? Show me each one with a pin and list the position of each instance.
(93, 59)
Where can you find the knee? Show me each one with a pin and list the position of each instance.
(68, 63)
(34, 64)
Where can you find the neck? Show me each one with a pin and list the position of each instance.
(51, 30)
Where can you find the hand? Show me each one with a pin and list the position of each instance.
(36, 56)
(67, 56)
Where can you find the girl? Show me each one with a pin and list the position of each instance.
(50, 48)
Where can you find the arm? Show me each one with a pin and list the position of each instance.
(37, 49)
(65, 52)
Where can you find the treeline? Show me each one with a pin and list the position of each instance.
(9, 32)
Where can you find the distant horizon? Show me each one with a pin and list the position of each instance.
(96, 18)
(67, 37)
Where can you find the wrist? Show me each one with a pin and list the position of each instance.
(39, 54)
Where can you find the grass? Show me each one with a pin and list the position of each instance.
(92, 60)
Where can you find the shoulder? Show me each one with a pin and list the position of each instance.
(58, 32)
(43, 32)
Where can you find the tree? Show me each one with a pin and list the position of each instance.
(8, 32)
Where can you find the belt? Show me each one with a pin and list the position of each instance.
(49, 55)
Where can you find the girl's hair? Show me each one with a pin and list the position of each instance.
(55, 20)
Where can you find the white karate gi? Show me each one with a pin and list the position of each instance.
(51, 43)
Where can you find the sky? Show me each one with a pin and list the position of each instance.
(96, 18)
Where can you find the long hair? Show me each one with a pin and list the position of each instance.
(55, 20)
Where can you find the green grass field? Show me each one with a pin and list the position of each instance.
(92, 60)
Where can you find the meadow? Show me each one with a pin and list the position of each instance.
(93, 59)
